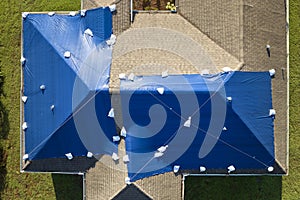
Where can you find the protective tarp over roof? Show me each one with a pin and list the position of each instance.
(66, 76)
(190, 121)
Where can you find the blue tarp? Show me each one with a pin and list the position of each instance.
(212, 120)
(77, 86)
(230, 122)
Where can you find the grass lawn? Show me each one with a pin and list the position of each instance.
(291, 183)
(14, 185)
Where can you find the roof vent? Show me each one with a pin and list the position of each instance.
(268, 48)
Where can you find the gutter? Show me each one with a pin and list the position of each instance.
(183, 186)
(21, 103)
(131, 11)
(83, 186)
(41, 172)
(235, 175)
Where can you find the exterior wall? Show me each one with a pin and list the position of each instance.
(220, 20)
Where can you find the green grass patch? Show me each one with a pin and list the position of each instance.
(291, 183)
(67, 186)
(233, 188)
(15, 185)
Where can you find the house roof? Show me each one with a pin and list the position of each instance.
(253, 59)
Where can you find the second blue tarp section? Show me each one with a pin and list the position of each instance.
(213, 121)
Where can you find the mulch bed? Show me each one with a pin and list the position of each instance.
(151, 4)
